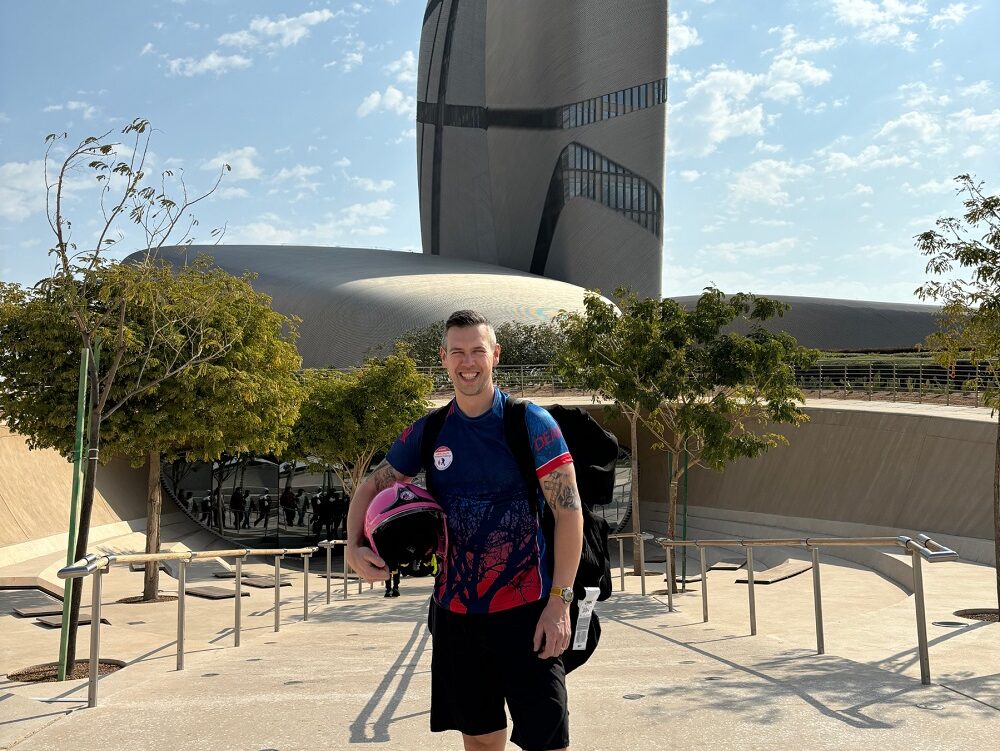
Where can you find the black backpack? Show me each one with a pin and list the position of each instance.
(595, 452)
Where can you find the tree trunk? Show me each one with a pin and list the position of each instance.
(83, 533)
(636, 527)
(154, 508)
(996, 510)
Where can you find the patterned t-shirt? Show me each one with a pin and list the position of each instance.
(496, 549)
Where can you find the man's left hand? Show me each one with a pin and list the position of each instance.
(552, 634)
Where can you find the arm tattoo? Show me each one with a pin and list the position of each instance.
(560, 493)
(384, 475)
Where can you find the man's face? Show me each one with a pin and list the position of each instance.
(469, 358)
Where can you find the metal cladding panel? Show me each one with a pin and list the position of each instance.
(597, 248)
(849, 325)
(425, 160)
(467, 67)
(542, 54)
(466, 207)
(351, 300)
(431, 46)
(521, 169)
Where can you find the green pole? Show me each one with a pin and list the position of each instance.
(684, 527)
(81, 410)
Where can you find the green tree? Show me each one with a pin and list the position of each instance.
(705, 393)
(132, 203)
(349, 417)
(245, 399)
(969, 321)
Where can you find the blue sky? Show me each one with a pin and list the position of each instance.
(809, 140)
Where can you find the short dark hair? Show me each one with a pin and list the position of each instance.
(464, 318)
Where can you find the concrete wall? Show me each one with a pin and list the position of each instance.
(910, 470)
(35, 491)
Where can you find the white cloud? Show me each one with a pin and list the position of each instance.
(260, 233)
(689, 175)
(22, 189)
(930, 187)
(912, 125)
(717, 109)
(765, 181)
(404, 69)
(147, 48)
(767, 148)
(4, 119)
(919, 95)
(862, 190)
(241, 162)
(391, 100)
(213, 62)
(681, 36)
(373, 186)
(980, 88)
(987, 125)
(342, 162)
(881, 22)
(89, 111)
(733, 252)
(282, 32)
(871, 157)
(231, 192)
(952, 14)
(298, 172)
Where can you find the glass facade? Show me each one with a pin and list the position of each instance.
(584, 173)
(614, 104)
(576, 115)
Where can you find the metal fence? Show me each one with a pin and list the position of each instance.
(97, 566)
(919, 548)
(875, 379)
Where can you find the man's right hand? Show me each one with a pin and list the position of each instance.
(369, 566)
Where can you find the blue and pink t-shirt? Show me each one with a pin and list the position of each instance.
(496, 549)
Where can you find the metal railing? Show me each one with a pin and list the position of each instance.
(920, 548)
(888, 380)
(98, 565)
(868, 379)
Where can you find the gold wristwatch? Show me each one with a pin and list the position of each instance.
(563, 593)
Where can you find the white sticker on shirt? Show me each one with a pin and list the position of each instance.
(443, 457)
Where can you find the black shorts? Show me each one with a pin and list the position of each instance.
(481, 661)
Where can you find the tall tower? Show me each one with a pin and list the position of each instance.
(540, 137)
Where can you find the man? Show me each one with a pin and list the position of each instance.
(500, 617)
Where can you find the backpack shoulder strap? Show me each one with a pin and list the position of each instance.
(432, 428)
(515, 428)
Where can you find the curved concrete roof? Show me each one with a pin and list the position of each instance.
(850, 325)
(352, 299)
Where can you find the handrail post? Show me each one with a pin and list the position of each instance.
(181, 589)
(277, 593)
(95, 639)
(239, 602)
(704, 586)
(621, 561)
(345, 572)
(753, 603)
(329, 569)
(669, 578)
(642, 563)
(818, 603)
(305, 587)
(918, 602)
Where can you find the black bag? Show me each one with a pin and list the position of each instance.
(595, 471)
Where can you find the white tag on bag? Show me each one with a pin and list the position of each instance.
(583, 619)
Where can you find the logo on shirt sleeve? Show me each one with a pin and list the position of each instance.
(443, 457)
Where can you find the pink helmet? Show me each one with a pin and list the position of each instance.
(405, 525)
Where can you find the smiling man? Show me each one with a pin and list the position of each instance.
(500, 613)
